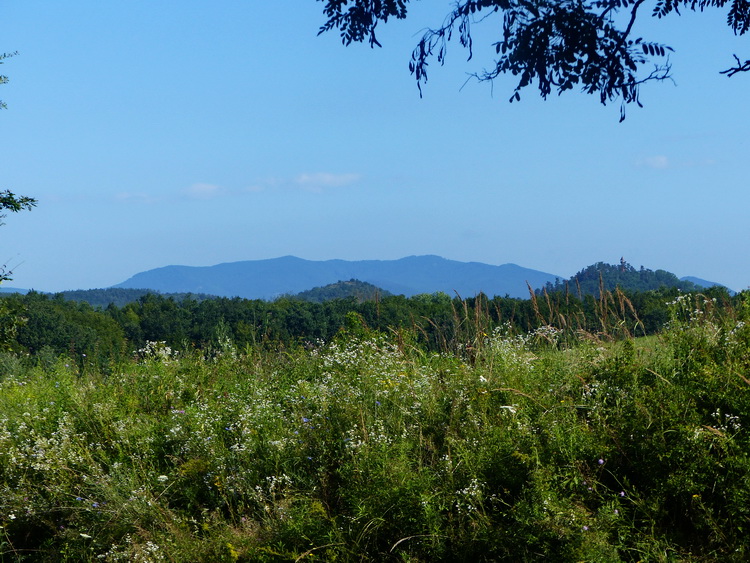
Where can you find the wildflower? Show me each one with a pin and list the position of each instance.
(95, 505)
(622, 493)
(601, 461)
(305, 419)
(585, 528)
(377, 403)
(162, 478)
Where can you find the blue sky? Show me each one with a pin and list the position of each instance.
(195, 133)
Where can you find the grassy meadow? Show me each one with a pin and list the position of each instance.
(546, 446)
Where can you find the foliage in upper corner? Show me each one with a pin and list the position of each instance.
(557, 44)
(592, 279)
(360, 291)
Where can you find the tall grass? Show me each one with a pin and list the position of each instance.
(554, 445)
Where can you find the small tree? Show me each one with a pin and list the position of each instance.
(10, 320)
(8, 200)
(11, 202)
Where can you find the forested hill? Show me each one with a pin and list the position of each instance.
(360, 291)
(610, 276)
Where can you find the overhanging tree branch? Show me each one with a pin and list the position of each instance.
(15, 203)
(552, 44)
(740, 67)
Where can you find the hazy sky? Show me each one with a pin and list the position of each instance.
(196, 132)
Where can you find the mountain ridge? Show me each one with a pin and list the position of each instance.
(411, 275)
(269, 279)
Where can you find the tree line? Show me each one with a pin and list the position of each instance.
(49, 325)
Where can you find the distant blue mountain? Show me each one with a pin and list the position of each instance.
(268, 279)
(704, 283)
(13, 290)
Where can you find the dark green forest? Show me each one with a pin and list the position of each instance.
(361, 291)
(105, 326)
(42, 324)
(120, 296)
